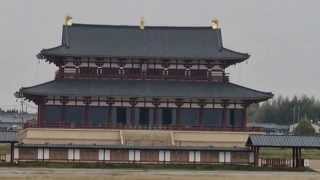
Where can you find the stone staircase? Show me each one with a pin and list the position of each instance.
(147, 138)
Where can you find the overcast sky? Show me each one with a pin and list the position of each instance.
(282, 37)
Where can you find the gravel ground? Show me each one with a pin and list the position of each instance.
(123, 174)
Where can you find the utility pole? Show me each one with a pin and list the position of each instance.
(21, 112)
(293, 114)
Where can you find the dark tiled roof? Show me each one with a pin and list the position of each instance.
(146, 88)
(8, 136)
(113, 146)
(152, 42)
(284, 141)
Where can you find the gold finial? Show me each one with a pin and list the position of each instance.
(68, 20)
(142, 23)
(215, 24)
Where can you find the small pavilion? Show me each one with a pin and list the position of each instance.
(9, 137)
(296, 143)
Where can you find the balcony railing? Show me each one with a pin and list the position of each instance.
(60, 75)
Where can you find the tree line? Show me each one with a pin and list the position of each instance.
(285, 110)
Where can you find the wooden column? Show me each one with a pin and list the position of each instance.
(133, 102)
(294, 157)
(43, 114)
(299, 158)
(41, 102)
(200, 118)
(110, 102)
(87, 102)
(202, 103)
(244, 118)
(224, 115)
(12, 152)
(213, 110)
(156, 103)
(40, 115)
(63, 114)
(179, 103)
(256, 156)
(64, 100)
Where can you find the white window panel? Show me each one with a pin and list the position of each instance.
(191, 156)
(107, 155)
(16, 153)
(161, 155)
(197, 156)
(70, 154)
(46, 153)
(77, 154)
(251, 157)
(40, 153)
(221, 157)
(306, 163)
(137, 155)
(227, 157)
(167, 156)
(101, 154)
(104, 154)
(131, 155)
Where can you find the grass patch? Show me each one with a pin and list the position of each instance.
(213, 167)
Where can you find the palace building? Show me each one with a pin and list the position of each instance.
(142, 94)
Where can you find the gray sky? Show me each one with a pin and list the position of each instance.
(282, 37)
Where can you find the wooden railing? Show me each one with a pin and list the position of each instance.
(120, 126)
(60, 75)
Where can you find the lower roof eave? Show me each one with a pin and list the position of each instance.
(125, 147)
(217, 100)
(145, 89)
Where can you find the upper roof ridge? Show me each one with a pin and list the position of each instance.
(137, 26)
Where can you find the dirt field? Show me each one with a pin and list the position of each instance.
(116, 174)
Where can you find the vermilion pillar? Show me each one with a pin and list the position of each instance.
(202, 103)
(224, 116)
(87, 102)
(64, 101)
(86, 115)
(179, 103)
(244, 118)
(109, 116)
(133, 102)
(41, 111)
(110, 102)
(200, 118)
(63, 115)
(156, 103)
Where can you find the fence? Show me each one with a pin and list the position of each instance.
(277, 163)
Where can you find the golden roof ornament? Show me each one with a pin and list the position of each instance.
(142, 23)
(215, 24)
(68, 20)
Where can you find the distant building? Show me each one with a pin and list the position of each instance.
(147, 94)
(271, 128)
(14, 120)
